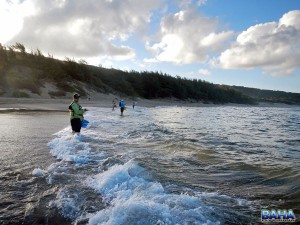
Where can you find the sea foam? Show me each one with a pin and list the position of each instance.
(134, 199)
(38, 172)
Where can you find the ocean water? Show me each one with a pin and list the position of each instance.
(218, 165)
(174, 165)
(24, 198)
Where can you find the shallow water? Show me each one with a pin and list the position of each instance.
(210, 165)
(23, 147)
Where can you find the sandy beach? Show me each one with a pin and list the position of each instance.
(104, 101)
(8, 104)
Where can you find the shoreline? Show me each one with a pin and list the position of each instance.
(21, 110)
(11, 104)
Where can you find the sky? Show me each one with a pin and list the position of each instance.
(245, 43)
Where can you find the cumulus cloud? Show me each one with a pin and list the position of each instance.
(86, 28)
(204, 72)
(188, 37)
(273, 46)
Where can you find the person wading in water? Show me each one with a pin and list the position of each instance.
(76, 114)
(122, 106)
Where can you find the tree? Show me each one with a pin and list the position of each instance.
(3, 57)
(38, 53)
(82, 61)
(11, 54)
(19, 47)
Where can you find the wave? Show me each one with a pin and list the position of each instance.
(124, 192)
(172, 166)
(133, 199)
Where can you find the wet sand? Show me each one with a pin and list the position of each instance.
(105, 101)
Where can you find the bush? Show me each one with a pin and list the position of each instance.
(1, 92)
(20, 94)
(56, 93)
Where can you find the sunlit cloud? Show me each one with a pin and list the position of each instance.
(188, 37)
(274, 47)
(204, 72)
(83, 28)
(12, 14)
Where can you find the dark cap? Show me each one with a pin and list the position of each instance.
(76, 95)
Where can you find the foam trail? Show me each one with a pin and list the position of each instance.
(133, 199)
(69, 147)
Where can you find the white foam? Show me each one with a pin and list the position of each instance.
(166, 106)
(38, 172)
(67, 204)
(133, 199)
(69, 147)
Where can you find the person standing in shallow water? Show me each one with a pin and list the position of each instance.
(122, 106)
(114, 105)
(76, 114)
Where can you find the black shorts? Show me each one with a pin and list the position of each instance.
(122, 109)
(76, 124)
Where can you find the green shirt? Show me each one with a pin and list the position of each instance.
(76, 111)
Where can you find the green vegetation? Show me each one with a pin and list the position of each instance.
(22, 70)
(20, 94)
(57, 93)
(270, 96)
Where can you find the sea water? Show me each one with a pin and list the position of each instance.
(24, 158)
(175, 165)
(167, 165)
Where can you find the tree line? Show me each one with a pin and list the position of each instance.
(68, 74)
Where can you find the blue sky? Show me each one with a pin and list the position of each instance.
(247, 43)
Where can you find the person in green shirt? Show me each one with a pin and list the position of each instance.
(76, 114)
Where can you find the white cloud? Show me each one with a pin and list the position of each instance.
(291, 19)
(188, 37)
(172, 45)
(274, 47)
(86, 28)
(216, 40)
(150, 60)
(12, 14)
(204, 72)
